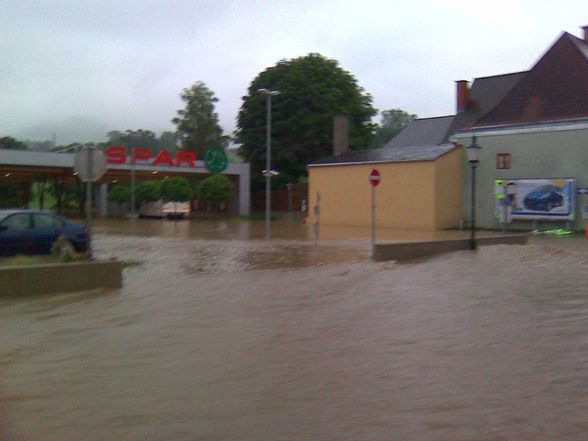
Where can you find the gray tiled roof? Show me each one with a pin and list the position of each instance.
(425, 131)
(484, 95)
(388, 154)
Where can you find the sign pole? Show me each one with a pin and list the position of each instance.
(89, 215)
(504, 207)
(374, 179)
(373, 245)
(89, 165)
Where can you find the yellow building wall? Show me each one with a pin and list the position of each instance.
(448, 190)
(404, 197)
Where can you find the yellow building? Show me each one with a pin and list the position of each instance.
(419, 188)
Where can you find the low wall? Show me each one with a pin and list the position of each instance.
(414, 250)
(59, 277)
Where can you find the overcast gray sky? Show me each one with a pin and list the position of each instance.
(80, 68)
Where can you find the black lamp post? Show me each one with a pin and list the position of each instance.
(473, 158)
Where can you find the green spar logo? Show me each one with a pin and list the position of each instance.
(216, 160)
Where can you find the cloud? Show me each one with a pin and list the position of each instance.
(82, 68)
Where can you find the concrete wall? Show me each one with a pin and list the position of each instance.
(416, 250)
(448, 183)
(58, 278)
(404, 197)
(555, 154)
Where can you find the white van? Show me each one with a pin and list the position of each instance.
(176, 210)
(171, 210)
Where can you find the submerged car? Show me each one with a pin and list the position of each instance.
(35, 231)
(543, 198)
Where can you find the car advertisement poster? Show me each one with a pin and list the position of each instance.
(522, 199)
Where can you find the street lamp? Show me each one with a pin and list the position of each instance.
(268, 173)
(473, 152)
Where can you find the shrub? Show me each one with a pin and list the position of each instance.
(176, 189)
(215, 189)
(147, 191)
(119, 194)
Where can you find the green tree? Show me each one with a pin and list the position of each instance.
(175, 189)
(40, 146)
(167, 141)
(393, 122)
(69, 197)
(197, 125)
(313, 90)
(8, 143)
(147, 191)
(14, 194)
(215, 189)
(119, 194)
(41, 187)
(134, 138)
(115, 137)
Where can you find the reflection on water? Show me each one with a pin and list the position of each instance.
(283, 228)
(222, 228)
(282, 340)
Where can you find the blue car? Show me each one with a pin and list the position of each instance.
(543, 198)
(35, 232)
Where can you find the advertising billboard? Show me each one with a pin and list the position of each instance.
(553, 199)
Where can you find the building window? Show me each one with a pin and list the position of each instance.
(502, 161)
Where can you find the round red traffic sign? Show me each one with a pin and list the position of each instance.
(374, 177)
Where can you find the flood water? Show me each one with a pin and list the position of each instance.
(220, 335)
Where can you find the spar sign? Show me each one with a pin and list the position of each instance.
(118, 155)
(215, 159)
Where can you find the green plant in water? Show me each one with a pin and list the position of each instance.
(63, 250)
(131, 263)
(24, 260)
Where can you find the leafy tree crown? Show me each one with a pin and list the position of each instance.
(197, 125)
(8, 143)
(176, 189)
(147, 191)
(393, 122)
(120, 194)
(313, 90)
(215, 189)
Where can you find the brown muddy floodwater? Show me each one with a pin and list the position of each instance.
(240, 339)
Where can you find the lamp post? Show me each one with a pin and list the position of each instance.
(473, 152)
(268, 173)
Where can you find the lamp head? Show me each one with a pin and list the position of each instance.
(270, 174)
(267, 92)
(473, 152)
